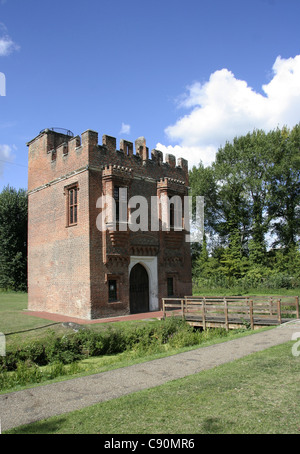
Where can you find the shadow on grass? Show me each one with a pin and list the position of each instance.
(215, 426)
(39, 427)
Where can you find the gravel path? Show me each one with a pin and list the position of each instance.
(25, 407)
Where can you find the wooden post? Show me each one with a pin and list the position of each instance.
(203, 314)
(271, 304)
(279, 310)
(251, 314)
(182, 308)
(226, 314)
(297, 307)
(164, 308)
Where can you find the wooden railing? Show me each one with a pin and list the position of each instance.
(233, 310)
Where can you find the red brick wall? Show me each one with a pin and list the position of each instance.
(69, 266)
(58, 256)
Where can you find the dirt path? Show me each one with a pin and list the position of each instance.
(25, 407)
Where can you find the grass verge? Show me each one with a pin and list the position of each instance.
(79, 354)
(258, 394)
(46, 355)
(238, 291)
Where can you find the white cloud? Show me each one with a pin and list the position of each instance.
(125, 129)
(5, 156)
(7, 46)
(225, 107)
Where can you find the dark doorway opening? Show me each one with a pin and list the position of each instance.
(139, 290)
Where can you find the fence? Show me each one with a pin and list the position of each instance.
(233, 311)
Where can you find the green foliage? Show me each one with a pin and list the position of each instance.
(256, 394)
(54, 356)
(28, 372)
(13, 239)
(252, 194)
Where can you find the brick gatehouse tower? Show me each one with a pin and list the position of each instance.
(76, 268)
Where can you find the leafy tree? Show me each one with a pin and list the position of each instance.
(234, 263)
(285, 203)
(245, 169)
(13, 239)
(252, 198)
(203, 183)
(200, 263)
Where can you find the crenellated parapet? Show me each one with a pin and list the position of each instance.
(171, 185)
(167, 182)
(52, 154)
(116, 172)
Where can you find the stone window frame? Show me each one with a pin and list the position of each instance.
(117, 185)
(174, 277)
(67, 193)
(117, 279)
(174, 211)
(112, 290)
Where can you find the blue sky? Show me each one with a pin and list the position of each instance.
(187, 75)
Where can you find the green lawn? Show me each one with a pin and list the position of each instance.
(15, 319)
(12, 313)
(258, 394)
(13, 316)
(238, 291)
(12, 306)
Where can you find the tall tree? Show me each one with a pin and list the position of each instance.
(252, 196)
(285, 203)
(246, 167)
(222, 194)
(13, 239)
(203, 183)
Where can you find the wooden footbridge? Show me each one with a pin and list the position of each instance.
(231, 312)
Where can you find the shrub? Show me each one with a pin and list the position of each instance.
(185, 338)
(66, 350)
(24, 373)
(60, 355)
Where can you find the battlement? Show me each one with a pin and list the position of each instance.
(115, 170)
(168, 185)
(167, 181)
(66, 153)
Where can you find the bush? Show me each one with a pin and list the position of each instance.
(55, 356)
(24, 373)
(66, 349)
(27, 373)
(185, 338)
(85, 343)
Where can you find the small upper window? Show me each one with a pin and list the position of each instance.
(120, 197)
(175, 212)
(117, 202)
(73, 205)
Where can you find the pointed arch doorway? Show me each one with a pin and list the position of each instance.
(139, 289)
